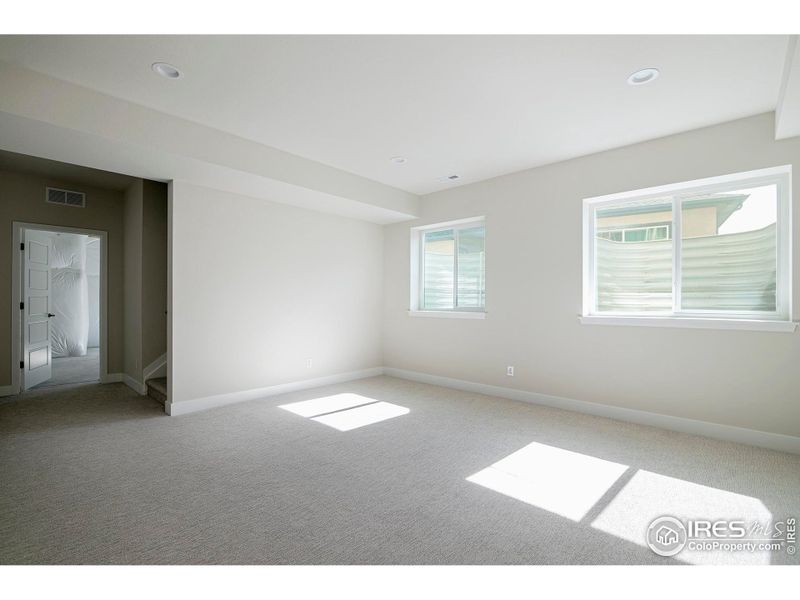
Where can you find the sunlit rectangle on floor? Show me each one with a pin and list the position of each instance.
(353, 418)
(327, 404)
(563, 482)
(650, 495)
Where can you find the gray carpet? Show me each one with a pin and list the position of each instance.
(96, 474)
(75, 369)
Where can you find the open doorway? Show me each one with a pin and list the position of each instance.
(60, 333)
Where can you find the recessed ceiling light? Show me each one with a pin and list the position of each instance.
(166, 70)
(398, 160)
(643, 76)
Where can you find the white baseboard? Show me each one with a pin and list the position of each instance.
(10, 390)
(112, 378)
(198, 404)
(764, 439)
(157, 368)
(136, 386)
(773, 441)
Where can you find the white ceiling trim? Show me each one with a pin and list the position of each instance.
(474, 106)
(47, 117)
(787, 113)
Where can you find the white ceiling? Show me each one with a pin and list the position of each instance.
(476, 106)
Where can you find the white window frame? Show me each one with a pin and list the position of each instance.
(779, 320)
(418, 271)
(625, 230)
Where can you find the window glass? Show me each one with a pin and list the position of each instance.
(438, 269)
(729, 250)
(471, 267)
(633, 252)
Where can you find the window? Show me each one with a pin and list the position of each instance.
(635, 234)
(709, 251)
(448, 269)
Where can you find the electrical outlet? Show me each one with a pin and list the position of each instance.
(309, 363)
(510, 371)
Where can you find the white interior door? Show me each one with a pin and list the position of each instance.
(37, 353)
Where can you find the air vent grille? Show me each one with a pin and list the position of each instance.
(66, 197)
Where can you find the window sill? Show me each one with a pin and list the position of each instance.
(692, 323)
(448, 314)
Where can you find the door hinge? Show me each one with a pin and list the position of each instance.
(22, 364)
(22, 246)
(22, 306)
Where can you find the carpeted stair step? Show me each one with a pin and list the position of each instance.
(157, 389)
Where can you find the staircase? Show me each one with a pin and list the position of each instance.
(157, 389)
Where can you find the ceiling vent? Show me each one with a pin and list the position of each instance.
(66, 197)
(448, 178)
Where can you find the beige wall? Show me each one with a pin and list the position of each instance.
(259, 287)
(533, 290)
(22, 198)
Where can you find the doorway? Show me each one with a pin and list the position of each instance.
(60, 334)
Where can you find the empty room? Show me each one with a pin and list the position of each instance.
(393, 300)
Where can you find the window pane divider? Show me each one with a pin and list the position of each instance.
(455, 268)
(421, 250)
(677, 236)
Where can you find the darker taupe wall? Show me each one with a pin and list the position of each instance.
(145, 260)
(132, 280)
(136, 223)
(22, 198)
(154, 271)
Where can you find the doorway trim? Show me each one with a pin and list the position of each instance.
(16, 296)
